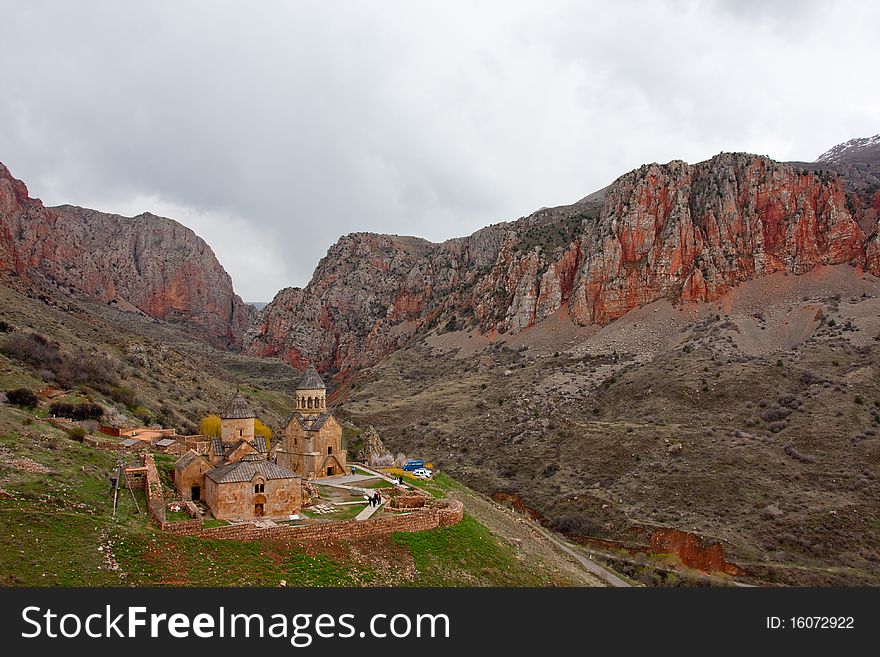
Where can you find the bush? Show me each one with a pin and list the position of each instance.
(261, 429)
(53, 363)
(22, 397)
(785, 398)
(796, 455)
(576, 524)
(33, 349)
(122, 394)
(84, 411)
(210, 426)
(76, 433)
(775, 413)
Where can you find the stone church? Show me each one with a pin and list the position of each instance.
(312, 442)
(236, 479)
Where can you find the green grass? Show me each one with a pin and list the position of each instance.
(51, 529)
(213, 522)
(342, 512)
(378, 483)
(442, 555)
(439, 486)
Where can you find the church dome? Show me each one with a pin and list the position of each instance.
(238, 409)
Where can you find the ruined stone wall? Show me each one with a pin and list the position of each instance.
(450, 512)
(153, 491)
(407, 502)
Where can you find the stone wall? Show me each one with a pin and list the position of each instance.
(408, 502)
(450, 512)
(310, 453)
(192, 475)
(228, 500)
(233, 429)
(153, 491)
(108, 446)
(443, 514)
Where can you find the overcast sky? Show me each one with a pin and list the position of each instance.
(272, 128)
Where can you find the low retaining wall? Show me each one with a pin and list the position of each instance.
(451, 512)
(443, 514)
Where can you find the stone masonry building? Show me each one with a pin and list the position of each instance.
(236, 478)
(312, 442)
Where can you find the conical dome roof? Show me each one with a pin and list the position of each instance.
(238, 409)
(311, 380)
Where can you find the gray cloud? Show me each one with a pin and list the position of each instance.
(272, 128)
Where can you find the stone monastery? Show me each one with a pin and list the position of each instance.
(242, 477)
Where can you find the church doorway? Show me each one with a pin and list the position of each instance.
(258, 509)
(195, 493)
(330, 471)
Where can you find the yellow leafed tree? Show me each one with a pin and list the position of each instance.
(210, 426)
(261, 429)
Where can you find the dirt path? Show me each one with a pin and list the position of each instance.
(532, 543)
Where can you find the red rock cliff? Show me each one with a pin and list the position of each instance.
(687, 232)
(155, 264)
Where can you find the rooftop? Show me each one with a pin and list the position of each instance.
(307, 423)
(238, 409)
(311, 380)
(246, 470)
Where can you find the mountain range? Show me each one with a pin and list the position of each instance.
(675, 231)
(693, 348)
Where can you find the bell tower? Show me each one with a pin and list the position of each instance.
(311, 393)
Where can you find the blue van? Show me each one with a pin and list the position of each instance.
(413, 464)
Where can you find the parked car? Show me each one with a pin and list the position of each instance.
(422, 473)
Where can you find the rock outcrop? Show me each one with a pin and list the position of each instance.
(374, 451)
(148, 263)
(678, 231)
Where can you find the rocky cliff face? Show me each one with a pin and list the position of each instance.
(679, 231)
(146, 262)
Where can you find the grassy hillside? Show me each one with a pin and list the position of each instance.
(57, 529)
(56, 522)
(147, 370)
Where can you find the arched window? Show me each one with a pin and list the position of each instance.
(310, 402)
(330, 449)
